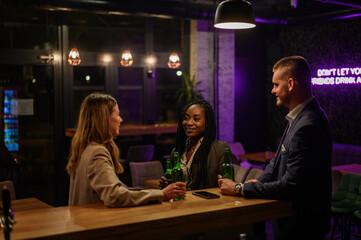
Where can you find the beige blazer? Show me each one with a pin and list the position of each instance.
(95, 180)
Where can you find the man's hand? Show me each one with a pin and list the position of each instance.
(226, 186)
(251, 180)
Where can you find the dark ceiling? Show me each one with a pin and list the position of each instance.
(299, 11)
(267, 11)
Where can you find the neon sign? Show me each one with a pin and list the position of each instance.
(337, 76)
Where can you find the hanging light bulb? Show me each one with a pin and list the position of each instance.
(174, 61)
(127, 59)
(151, 60)
(74, 57)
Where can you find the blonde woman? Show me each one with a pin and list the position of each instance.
(94, 160)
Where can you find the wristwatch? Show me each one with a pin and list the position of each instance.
(238, 188)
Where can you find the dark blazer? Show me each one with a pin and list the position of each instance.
(301, 172)
(214, 163)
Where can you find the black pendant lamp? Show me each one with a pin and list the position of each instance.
(234, 14)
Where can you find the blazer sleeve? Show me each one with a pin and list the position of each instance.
(295, 162)
(218, 153)
(106, 184)
(215, 161)
(267, 173)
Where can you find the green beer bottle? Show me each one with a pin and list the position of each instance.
(227, 166)
(168, 171)
(177, 173)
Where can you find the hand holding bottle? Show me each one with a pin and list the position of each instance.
(174, 190)
(226, 186)
(177, 173)
(163, 183)
(227, 166)
(167, 178)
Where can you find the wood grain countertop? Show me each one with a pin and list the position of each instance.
(170, 218)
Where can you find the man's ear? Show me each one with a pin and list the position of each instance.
(291, 84)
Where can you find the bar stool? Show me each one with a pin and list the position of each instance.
(345, 201)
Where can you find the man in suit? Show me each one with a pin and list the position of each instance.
(301, 169)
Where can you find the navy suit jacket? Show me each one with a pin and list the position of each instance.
(301, 172)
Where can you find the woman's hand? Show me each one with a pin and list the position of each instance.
(163, 182)
(174, 190)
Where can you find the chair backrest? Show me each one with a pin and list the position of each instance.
(349, 190)
(140, 153)
(10, 186)
(336, 179)
(240, 173)
(254, 173)
(358, 214)
(237, 149)
(142, 171)
(345, 154)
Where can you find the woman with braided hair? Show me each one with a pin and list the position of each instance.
(201, 155)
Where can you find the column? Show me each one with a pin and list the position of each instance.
(202, 66)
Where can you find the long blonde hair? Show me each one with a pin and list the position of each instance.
(93, 126)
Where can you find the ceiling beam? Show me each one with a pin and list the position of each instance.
(349, 3)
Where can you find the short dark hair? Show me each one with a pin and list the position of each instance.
(295, 67)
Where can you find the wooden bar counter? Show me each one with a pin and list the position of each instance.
(168, 219)
(28, 204)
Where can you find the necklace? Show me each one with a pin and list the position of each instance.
(191, 147)
(191, 150)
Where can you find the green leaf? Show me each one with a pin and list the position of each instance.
(189, 91)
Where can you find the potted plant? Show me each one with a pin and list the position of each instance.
(189, 91)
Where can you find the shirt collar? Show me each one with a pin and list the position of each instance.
(293, 114)
(198, 143)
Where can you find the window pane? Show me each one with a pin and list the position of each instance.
(167, 84)
(130, 106)
(27, 28)
(89, 76)
(173, 40)
(130, 76)
(130, 95)
(34, 127)
(121, 33)
(87, 80)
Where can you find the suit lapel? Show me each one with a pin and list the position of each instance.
(310, 105)
(284, 140)
(281, 146)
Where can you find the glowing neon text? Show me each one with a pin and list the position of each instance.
(337, 76)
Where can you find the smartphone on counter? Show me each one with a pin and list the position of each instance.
(205, 194)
